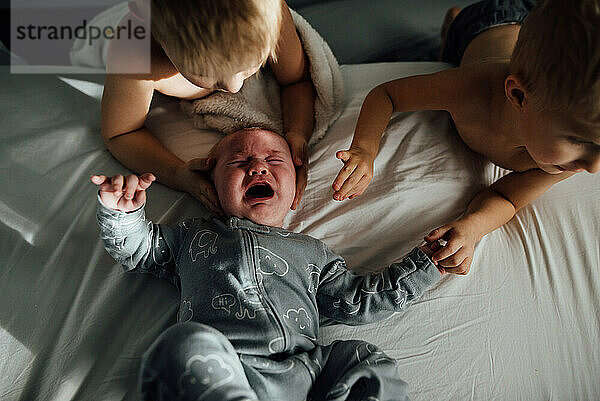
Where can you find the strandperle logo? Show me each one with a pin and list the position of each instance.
(71, 36)
(83, 31)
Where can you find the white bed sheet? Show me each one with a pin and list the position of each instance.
(524, 324)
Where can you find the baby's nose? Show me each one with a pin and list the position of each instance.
(257, 168)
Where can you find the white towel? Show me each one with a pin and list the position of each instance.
(258, 103)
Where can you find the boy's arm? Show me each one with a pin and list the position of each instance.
(490, 209)
(297, 97)
(125, 104)
(352, 299)
(437, 91)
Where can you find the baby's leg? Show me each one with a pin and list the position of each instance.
(356, 370)
(191, 361)
(485, 30)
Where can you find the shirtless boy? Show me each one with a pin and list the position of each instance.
(534, 110)
(199, 47)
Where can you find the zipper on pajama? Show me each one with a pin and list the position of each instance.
(250, 241)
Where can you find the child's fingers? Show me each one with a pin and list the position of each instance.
(146, 180)
(299, 153)
(207, 195)
(362, 185)
(98, 179)
(210, 205)
(139, 199)
(343, 175)
(343, 155)
(301, 179)
(456, 259)
(351, 182)
(461, 269)
(435, 246)
(437, 234)
(359, 188)
(131, 184)
(201, 164)
(117, 184)
(449, 249)
(103, 182)
(209, 192)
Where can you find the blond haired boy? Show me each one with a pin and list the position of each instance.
(536, 113)
(199, 47)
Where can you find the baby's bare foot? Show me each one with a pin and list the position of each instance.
(450, 15)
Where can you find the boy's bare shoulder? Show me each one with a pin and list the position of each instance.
(150, 66)
(141, 59)
(472, 86)
(476, 115)
(457, 90)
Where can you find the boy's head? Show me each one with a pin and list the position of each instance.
(555, 80)
(254, 176)
(216, 44)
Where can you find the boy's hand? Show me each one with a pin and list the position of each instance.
(195, 179)
(355, 176)
(429, 249)
(457, 254)
(125, 194)
(299, 150)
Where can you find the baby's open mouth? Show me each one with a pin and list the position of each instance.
(259, 191)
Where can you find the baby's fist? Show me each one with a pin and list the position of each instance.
(125, 194)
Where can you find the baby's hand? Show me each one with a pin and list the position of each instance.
(355, 176)
(123, 193)
(429, 249)
(457, 254)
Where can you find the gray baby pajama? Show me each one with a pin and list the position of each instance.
(252, 300)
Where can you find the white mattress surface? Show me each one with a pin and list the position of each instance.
(524, 324)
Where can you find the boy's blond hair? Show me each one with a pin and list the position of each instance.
(217, 38)
(557, 57)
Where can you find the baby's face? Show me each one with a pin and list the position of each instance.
(556, 147)
(254, 176)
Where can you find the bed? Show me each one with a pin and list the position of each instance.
(523, 324)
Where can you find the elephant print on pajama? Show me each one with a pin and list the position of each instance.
(204, 243)
(247, 298)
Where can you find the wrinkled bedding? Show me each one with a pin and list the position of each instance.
(524, 324)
